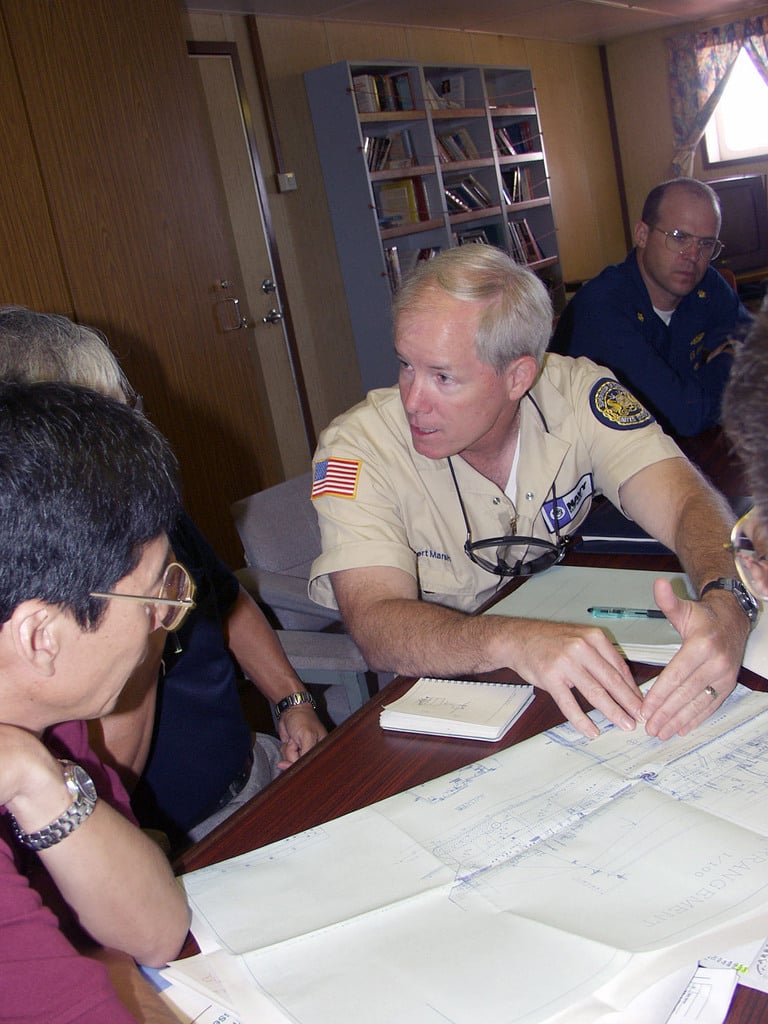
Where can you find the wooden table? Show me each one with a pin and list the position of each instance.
(360, 763)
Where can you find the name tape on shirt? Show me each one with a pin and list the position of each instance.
(566, 508)
(616, 407)
(337, 477)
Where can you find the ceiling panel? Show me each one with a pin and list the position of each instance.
(584, 21)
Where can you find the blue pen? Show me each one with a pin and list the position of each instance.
(626, 613)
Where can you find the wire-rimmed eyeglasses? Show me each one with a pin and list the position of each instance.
(681, 242)
(751, 567)
(174, 601)
(514, 554)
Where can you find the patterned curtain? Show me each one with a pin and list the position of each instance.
(699, 66)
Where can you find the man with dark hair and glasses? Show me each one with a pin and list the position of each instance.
(477, 469)
(88, 492)
(664, 319)
(745, 419)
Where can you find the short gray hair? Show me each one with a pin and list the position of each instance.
(517, 320)
(38, 347)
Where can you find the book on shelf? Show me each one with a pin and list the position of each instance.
(458, 145)
(518, 186)
(530, 245)
(366, 93)
(467, 194)
(504, 143)
(518, 136)
(450, 89)
(475, 236)
(447, 93)
(376, 93)
(392, 259)
(458, 707)
(403, 201)
(386, 152)
(401, 152)
(525, 248)
(403, 87)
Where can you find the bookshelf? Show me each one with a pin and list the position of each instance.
(417, 158)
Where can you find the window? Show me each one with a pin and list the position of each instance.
(738, 129)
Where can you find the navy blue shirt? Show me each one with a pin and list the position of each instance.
(611, 320)
(201, 737)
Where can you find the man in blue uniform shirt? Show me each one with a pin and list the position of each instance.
(663, 319)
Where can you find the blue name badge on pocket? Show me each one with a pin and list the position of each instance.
(564, 510)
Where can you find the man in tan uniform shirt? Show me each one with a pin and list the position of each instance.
(484, 426)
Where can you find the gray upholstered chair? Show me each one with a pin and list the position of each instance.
(280, 536)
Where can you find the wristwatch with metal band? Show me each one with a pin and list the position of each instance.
(293, 700)
(83, 793)
(747, 603)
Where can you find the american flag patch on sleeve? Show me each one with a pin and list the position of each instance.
(337, 477)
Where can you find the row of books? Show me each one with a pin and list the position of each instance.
(376, 93)
(525, 248)
(467, 194)
(458, 145)
(400, 263)
(518, 186)
(383, 152)
(514, 139)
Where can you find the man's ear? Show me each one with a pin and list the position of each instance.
(521, 373)
(641, 234)
(35, 628)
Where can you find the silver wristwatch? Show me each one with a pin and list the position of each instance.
(747, 603)
(294, 700)
(83, 793)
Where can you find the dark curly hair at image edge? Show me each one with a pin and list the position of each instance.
(85, 483)
(745, 409)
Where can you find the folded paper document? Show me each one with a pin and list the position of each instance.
(457, 707)
(547, 881)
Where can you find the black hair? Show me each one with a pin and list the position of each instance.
(85, 483)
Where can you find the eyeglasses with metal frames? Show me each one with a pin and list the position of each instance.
(681, 242)
(172, 610)
(751, 567)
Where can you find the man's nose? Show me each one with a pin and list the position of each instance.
(414, 396)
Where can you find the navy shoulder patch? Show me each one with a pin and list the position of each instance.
(617, 408)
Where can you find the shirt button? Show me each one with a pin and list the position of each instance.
(529, 495)
(497, 501)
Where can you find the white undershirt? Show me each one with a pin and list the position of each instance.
(664, 314)
(511, 487)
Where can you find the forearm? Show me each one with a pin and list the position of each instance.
(258, 651)
(414, 637)
(121, 886)
(673, 502)
(114, 878)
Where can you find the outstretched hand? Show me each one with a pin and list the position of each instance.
(703, 672)
(563, 657)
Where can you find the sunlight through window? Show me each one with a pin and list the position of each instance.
(738, 129)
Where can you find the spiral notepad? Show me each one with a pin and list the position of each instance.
(458, 707)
